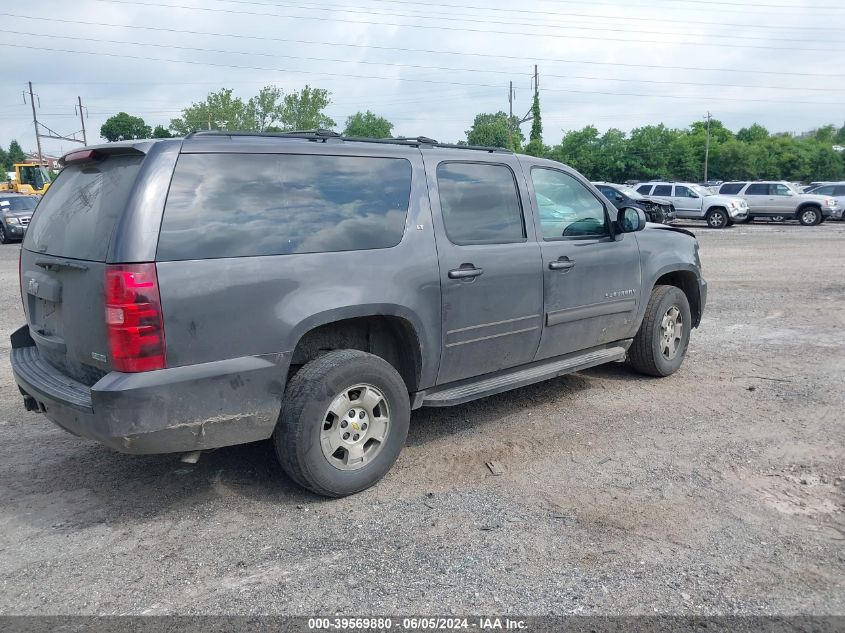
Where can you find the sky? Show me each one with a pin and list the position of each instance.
(429, 67)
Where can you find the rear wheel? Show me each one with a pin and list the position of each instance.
(4, 238)
(343, 422)
(716, 218)
(661, 343)
(809, 216)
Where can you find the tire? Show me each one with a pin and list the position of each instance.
(307, 429)
(647, 353)
(809, 216)
(716, 218)
(4, 237)
(748, 220)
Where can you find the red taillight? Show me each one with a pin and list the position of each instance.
(133, 318)
(79, 156)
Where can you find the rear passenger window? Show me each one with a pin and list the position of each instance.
(480, 203)
(237, 205)
(731, 188)
(662, 190)
(757, 189)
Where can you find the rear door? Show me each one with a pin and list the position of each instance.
(492, 293)
(63, 263)
(757, 196)
(591, 280)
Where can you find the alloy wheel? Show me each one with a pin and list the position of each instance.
(355, 427)
(671, 332)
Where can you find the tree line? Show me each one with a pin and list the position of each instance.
(652, 151)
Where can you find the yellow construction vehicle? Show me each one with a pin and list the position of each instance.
(29, 178)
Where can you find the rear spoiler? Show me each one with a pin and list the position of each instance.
(101, 152)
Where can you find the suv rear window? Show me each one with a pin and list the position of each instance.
(730, 188)
(78, 214)
(241, 205)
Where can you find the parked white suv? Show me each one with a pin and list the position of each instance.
(779, 200)
(695, 202)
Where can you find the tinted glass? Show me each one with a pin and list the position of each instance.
(731, 188)
(644, 189)
(78, 214)
(480, 203)
(237, 205)
(824, 191)
(757, 189)
(566, 207)
(839, 190)
(662, 190)
(608, 192)
(681, 191)
(24, 203)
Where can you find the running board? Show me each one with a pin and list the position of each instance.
(518, 377)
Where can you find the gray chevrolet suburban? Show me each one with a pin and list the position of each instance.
(188, 294)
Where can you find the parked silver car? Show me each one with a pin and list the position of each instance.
(779, 200)
(836, 190)
(695, 202)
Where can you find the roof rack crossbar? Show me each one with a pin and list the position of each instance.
(325, 135)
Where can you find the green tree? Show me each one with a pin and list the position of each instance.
(265, 110)
(535, 145)
(122, 127)
(304, 110)
(161, 132)
(368, 125)
(491, 130)
(16, 154)
(219, 111)
(5, 164)
(579, 150)
(752, 134)
(825, 134)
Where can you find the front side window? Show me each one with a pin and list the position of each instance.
(480, 203)
(757, 189)
(781, 190)
(240, 205)
(682, 192)
(566, 207)
(662, 190)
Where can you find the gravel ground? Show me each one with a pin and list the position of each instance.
(718, 490)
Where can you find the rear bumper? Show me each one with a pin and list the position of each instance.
(179, 409)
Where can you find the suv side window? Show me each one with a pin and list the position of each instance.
(662, 190)
(839, 190)
(731, 188)
(480, 203)
(780, 190)
(644, 189)
(243, 205)
(757, 189)
(682, 192)
(566, 207)
(608, 192)
(827, 190)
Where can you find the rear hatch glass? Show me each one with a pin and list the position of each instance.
(79, 212)
(63, 264)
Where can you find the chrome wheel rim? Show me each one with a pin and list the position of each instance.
(716, 220)
(809, 217)
(355, 427)
(671, 332)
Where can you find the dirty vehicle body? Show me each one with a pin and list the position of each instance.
(196, 309)
(778, 200)
(15, 213)
(659, 210)
(694, 202)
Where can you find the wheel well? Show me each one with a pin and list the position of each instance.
(391, 338)
(688, 283)
(717, 208)
(814, 205)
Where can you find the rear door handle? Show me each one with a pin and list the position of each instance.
(564, 263)
(466, 271)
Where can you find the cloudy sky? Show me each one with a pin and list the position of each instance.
(429, 66)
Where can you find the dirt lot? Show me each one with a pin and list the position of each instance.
(718, 490)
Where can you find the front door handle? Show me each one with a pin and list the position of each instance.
(466, 271)
(564, 263)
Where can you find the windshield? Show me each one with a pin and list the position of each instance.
(18, 204)
(631, 193)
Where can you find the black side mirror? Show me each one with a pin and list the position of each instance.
(619, 197)
(630, 219)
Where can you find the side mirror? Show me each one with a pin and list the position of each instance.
(630, 219)
(692, 194)
(619, 197)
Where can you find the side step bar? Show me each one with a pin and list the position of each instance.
(450, 395)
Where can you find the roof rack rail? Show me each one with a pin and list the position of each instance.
(323, 135)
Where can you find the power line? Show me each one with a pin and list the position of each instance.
(404, 79)
(440, 27)
(662, 67)
(423, 67)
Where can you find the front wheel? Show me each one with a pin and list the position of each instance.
(343, 422)
(661, 343)
(717, 219)
(809, 217)
(4, 237)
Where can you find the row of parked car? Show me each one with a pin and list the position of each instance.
(732, 202)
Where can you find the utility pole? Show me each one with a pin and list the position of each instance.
(82, 120)
(510, 116)
(707, 147)
(35, 123)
